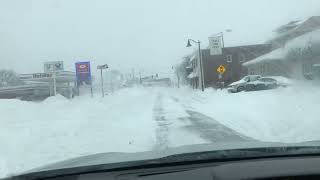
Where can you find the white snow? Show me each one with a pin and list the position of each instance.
(281, 115)
(192, 75)
(33, 134)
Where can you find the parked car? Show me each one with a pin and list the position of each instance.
(282, 81)
(240, 85)
(263, 83)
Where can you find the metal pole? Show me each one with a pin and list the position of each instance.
(222, 39)
(201, 67)
(91, 88)
(102, 90)
(54, 84)
(178, 80)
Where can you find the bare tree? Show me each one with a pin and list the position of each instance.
(9, 78)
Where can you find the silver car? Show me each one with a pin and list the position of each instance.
(240, 85)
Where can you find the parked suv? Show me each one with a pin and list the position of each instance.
(240, 85)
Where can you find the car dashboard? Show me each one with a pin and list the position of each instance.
(302, 167)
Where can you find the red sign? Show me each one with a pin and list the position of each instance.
(83, 68)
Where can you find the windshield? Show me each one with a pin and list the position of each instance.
(84, 77)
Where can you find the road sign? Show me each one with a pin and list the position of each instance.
(215, 45)
(83, 72)
(53, 66)
(221, 69)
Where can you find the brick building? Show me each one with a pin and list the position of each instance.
(231, 58)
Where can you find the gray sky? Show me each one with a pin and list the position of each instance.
(141, 34)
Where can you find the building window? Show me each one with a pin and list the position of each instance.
(229, 58)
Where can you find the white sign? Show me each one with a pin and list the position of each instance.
(215, 45)
(53, 66)
(34, 76)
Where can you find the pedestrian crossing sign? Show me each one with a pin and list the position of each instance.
(221, 69)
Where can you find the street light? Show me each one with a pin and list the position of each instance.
(200, 60)
(101, 67)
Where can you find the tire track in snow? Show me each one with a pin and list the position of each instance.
(209, 128)
(162, 131)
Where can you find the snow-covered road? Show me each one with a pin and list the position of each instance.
(140, 119)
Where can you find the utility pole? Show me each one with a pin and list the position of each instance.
(54, 84)
(133, 73)
(102, 90)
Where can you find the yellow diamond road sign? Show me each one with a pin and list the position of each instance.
(221, 69)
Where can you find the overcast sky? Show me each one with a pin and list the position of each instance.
(142, 34)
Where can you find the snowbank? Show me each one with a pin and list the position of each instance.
(34, 134)
(285, 114)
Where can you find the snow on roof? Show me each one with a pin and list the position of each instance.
(192, 75)
(273, 55)
(293, 27)
(303, 41)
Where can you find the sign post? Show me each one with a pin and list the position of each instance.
(54, 84)
(83, 73)
(52, 67)
(101, 67)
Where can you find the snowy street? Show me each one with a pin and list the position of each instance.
(136, 119)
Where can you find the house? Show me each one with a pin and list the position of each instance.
(231, 58)
(295, 52)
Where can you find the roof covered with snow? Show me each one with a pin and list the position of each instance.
(307, 40)
(296, 28)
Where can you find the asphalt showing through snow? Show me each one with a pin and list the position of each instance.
(210, 129)
(204, 126)
(162, 131)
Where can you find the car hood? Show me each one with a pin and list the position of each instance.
(237, 82)
(120, 160)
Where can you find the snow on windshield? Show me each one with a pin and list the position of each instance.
(85, 77)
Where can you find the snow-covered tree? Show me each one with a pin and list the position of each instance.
(181, 70)
(9, 78)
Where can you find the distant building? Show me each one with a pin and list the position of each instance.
(295, 52)
(231, 58)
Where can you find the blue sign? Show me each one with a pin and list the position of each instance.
(83, 73)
